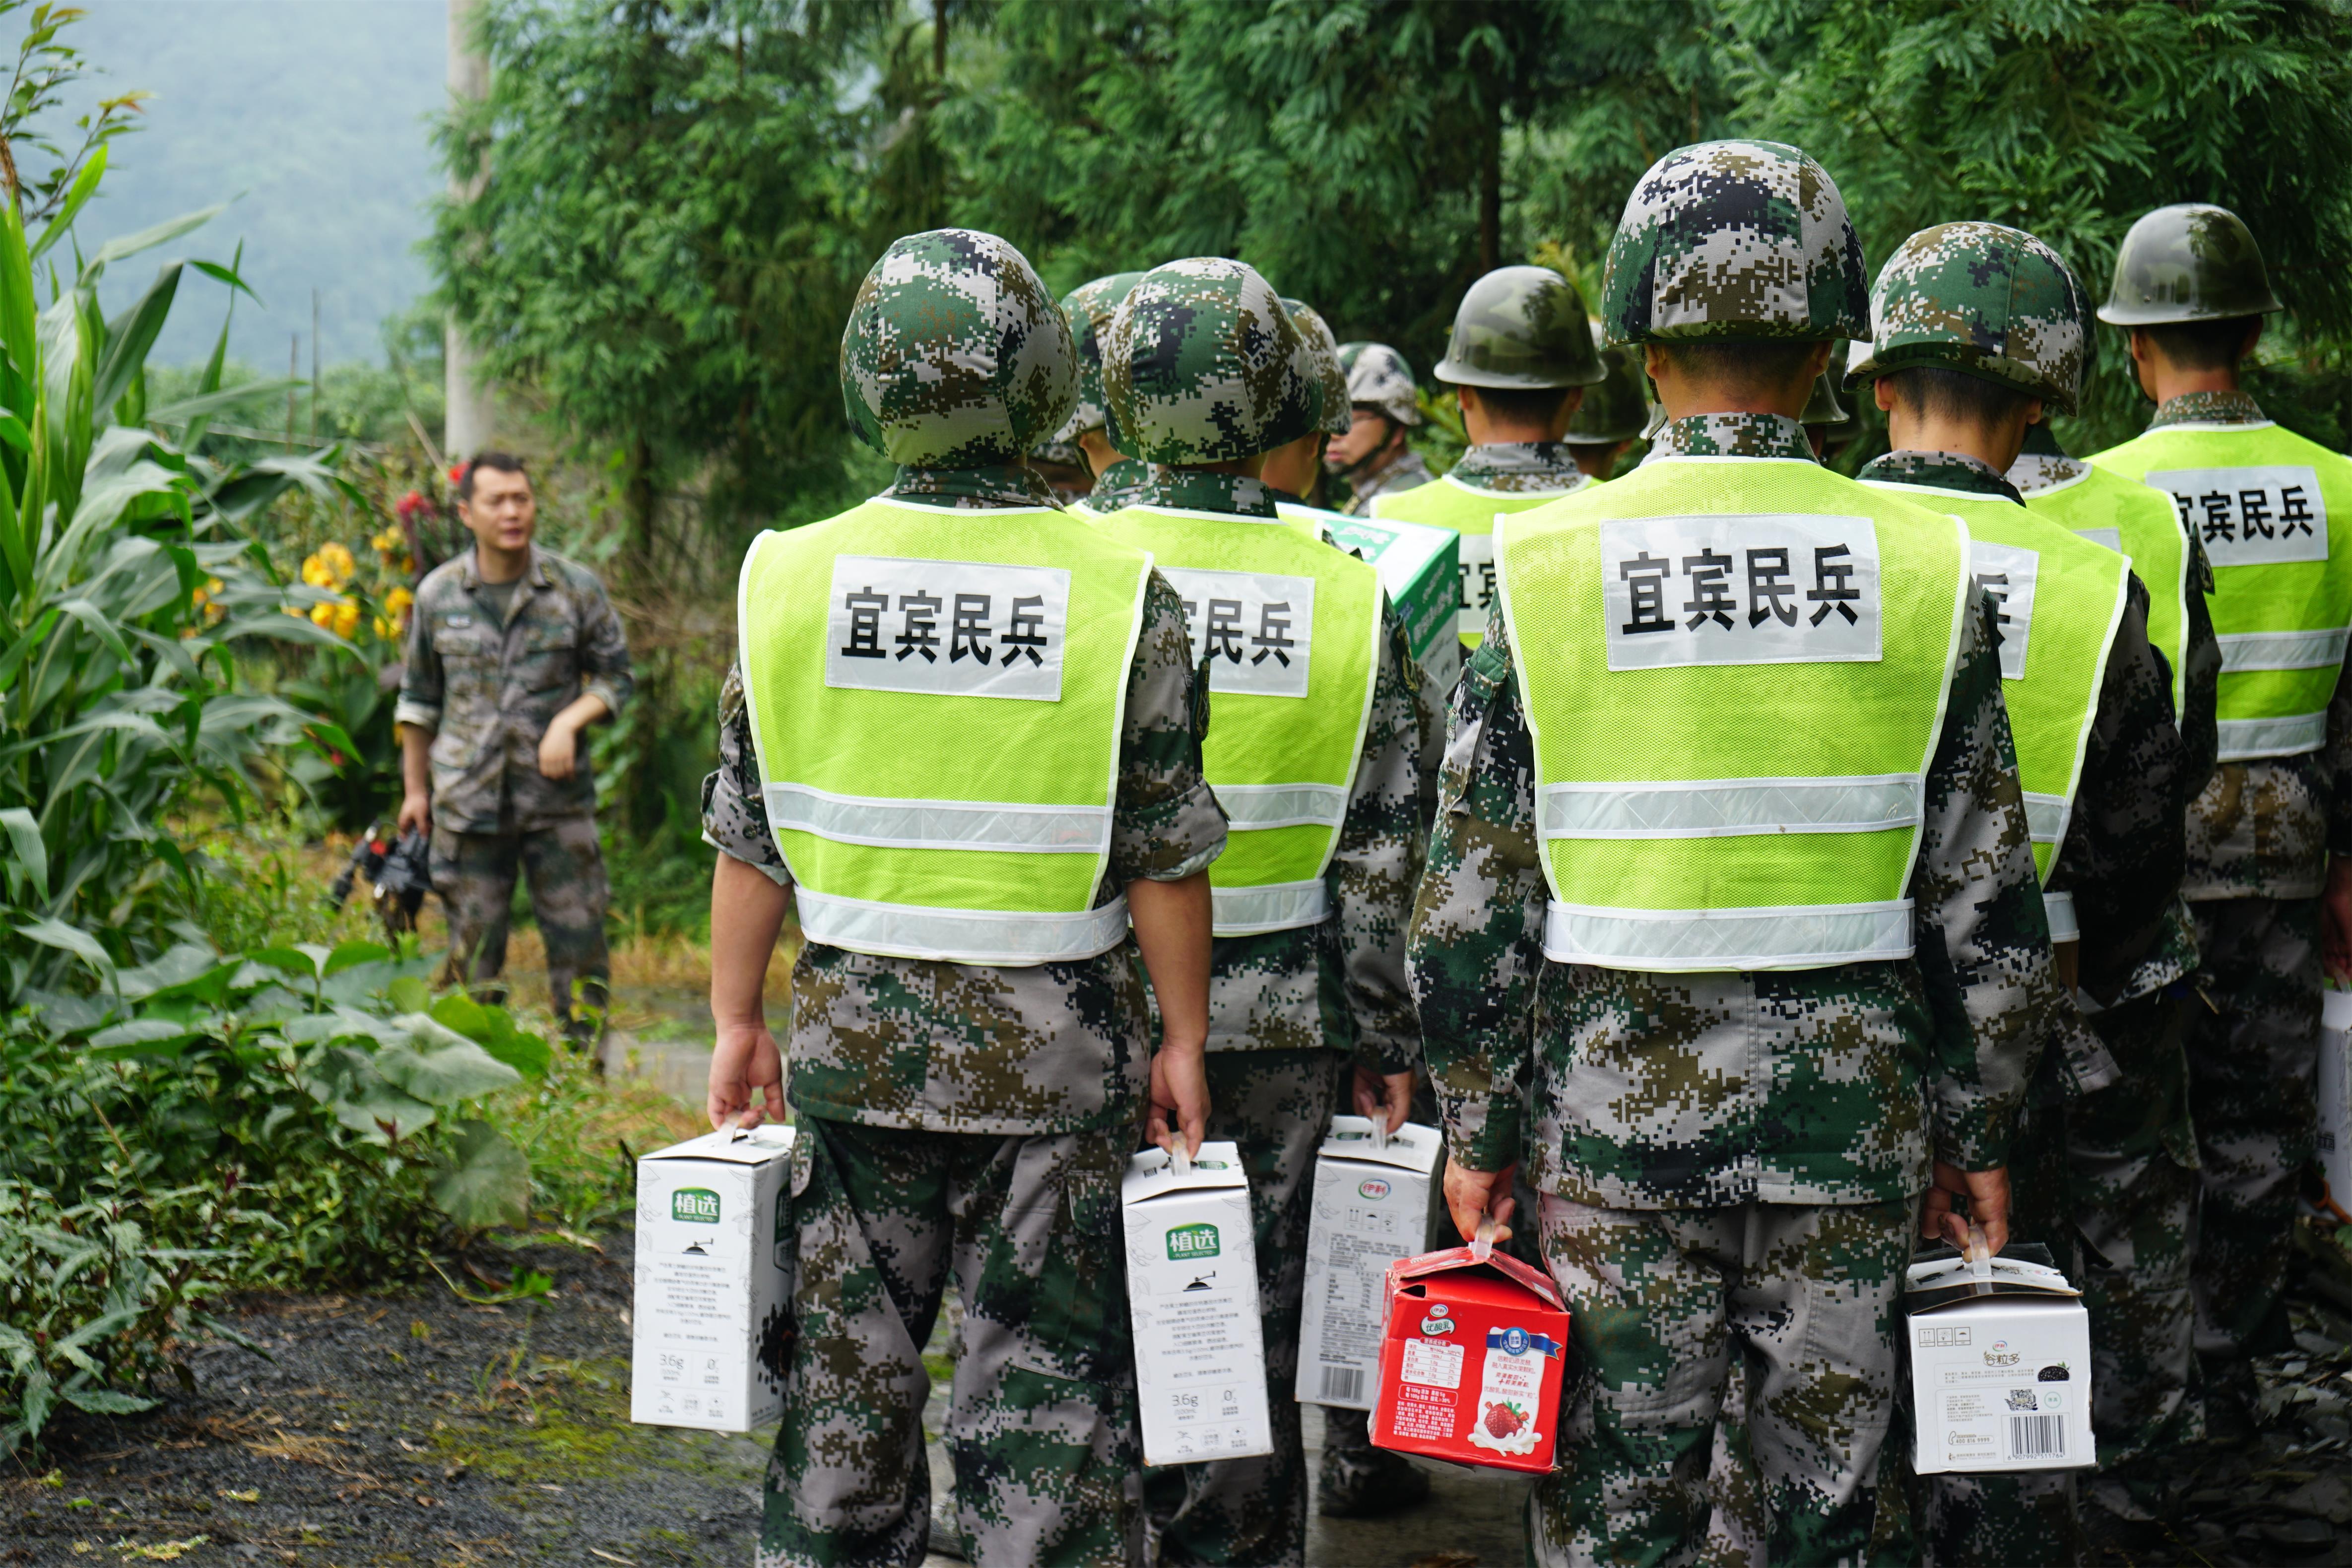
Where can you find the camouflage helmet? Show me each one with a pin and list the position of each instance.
(955, 356)
(1337, 420)
(1616, 407)
(1202, 365)
(1988, 301)
(1089, 307)
(2188, 263)
(1739, 240)
(1520, 327)
(1824, 408)
(1379, 378)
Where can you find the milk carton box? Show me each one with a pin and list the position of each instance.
(2336, 1095)
(715, 1268)
(2001, 1366)
(1421, 568)
(1373, 1203)
(1471, 1367)
(1191, 1281)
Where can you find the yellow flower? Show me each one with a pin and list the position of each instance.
(316, 572)
(347, 618)
(390, 540)
(338, 561)
(396, 603)
(322, 614)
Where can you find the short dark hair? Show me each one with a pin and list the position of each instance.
(1744, 366)
(504, 462)
(1523, 404)
(2203, 345)
(1940, 391)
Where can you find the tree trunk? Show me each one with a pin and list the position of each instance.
(1490, 193)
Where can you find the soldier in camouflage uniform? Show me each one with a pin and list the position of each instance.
(1614, 412)
(1295, 468)
(1089, 308)
(2272, 832)
(512, 652)
(1372, 458)
(1206, 370)
(962, 1121)
(1731, 1163)
(1977, 325)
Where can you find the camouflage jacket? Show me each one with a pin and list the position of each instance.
(486, 687)
(2262, 828)
(1517, 466)
(955, 1047)
(1645, 1090)
(2124, 851)
(1342, 982)
(1408, 472)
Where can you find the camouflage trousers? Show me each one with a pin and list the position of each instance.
(1276, 1106)
(475, 874)
(1661, 1302)
(2252, 1061)
(1041, 1421)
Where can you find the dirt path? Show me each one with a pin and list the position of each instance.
(405, 1427)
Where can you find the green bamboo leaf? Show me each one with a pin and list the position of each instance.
(107, 1402)
(130, 337)
(32, 854)
(163, 233)
(85, 185)
(207, 404)
(81, 943)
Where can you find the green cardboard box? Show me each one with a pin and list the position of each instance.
(1421, 568)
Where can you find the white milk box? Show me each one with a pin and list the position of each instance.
(2335, 1094)
(1419, 565)
(1192, 1283)
(715, 1268)
(2001, 1367)
(1372, 1204)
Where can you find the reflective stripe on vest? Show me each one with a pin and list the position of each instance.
(2107, 509)
(2274, 514)
(1290, 628)
(1470, 511)
(2061, 600)
(1735, 674)
(936, 699)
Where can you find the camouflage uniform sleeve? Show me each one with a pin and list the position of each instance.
(421, 686)
(1379, 859)
(1166, 824)
(1476, 945)
(734, 813)
(2200, 735)
(2127, 845)
(603, 649)
(1983, 937)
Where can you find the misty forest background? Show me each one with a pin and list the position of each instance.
(678, 197)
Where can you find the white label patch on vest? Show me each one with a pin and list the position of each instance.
(1254, 628)
(1477, 582)
(950, 628)
(2006, 574)
(1758, 588)
(2112, 538)
(2250, 517)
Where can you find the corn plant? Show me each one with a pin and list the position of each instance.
(126, 586)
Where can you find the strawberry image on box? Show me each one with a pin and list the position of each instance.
(1470, 1370)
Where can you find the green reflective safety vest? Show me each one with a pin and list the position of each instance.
(2110, 510)
(2274, 514)
(1289, 628)
(1735, 672)
(936, 697)
(1469, 512)
(2060, 600)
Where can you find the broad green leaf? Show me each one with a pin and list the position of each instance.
(444, 1074)
(485, 1180)
(140, 1032)
(353, 952)
(293, 959)
(107, 1402)
(410, 994)
(81, 943)
(32, 854)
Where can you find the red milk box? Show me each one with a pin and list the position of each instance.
(1471, 1369)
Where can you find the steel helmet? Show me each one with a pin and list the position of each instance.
(2188, 263)
(1521, 327)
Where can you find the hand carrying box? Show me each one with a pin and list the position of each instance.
(1192, 1282)
(1372, 1204)
(2001, 1366)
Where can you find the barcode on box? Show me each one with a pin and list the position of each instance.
(1343, 1384)
(2037, 1436)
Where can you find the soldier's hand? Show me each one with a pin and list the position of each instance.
(416, 814)
(2336, 906)
(1470, 1194)
(745, 1061)
(1180, 1097)
(1987, 1192)
(1383, 1094)
(559, 751)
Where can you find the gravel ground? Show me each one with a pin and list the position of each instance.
(402, 1427)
